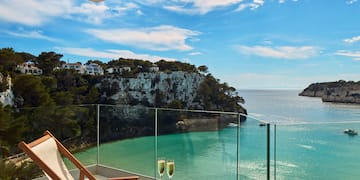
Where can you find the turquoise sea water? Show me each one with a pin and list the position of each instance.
(315, 149)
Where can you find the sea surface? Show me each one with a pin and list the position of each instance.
(307, 142)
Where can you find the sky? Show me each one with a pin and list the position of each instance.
(249, 44)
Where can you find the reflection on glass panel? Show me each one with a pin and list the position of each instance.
(202, 145)
(253, 149)
(86, 117)
(127, 138)
(317, 151)
(75, 127)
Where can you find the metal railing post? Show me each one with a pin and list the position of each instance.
(238, 149)
(268, 151)
(274, 151)
(156, 142)
(98, 133)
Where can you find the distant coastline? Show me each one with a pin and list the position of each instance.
(337, 92)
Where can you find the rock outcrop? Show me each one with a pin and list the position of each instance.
(158, 89)
(150, 88)
(7, 96)
(339, 92)
(204, 124)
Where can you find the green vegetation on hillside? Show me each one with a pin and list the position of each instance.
(219, 96)
(50, 101)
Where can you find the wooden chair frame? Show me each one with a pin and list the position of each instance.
(83, 171)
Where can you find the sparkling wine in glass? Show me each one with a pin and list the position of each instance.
(161, 167)
(170, 167)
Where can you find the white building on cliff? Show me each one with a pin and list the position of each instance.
(92, 68)
(78, 67)
(29, 68)
(118, 70)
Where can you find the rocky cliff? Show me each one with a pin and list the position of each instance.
(177, 89)
(339, 91)
(152, 88)
(6, 96)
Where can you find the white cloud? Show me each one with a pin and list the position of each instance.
(121, 9)
(38, 12)
(352, 40)
(283, 1)
(199, 6)
(252, 5)
(205, 6)
(90, 12)
(183, 10)
(195, 53)
(150, 2)
(281, 52)
(32, 12)
(31, 34)
(96, 13)
(159, 38)
(355, 55)
(111, 54)
(139, 12)
(351, 2)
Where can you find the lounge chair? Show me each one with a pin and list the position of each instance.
(45, 152)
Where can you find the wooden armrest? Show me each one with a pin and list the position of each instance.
(125, 178)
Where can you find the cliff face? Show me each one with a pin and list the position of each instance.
(155, 89)
(152, 88)
(340, 91)
(7, 96)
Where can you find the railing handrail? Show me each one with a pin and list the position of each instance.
(312, 123)
(253, 117)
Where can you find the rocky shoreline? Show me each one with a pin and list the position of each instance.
(338, 91)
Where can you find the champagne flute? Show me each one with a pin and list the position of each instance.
(170, 167)
(161, 166)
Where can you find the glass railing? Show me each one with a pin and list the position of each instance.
(127, 138)
(74, 126)
(253, 142)
(317, 151)
(203, 144)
